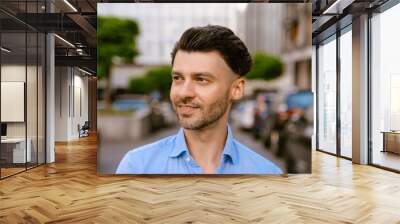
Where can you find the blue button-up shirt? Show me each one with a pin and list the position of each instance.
(170, 155)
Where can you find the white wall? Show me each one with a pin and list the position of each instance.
(16, 73)
(61, 103)
(71, 94)
(33, 125)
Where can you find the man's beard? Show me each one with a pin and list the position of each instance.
(206, 117)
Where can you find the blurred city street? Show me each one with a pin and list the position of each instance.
(274, 117)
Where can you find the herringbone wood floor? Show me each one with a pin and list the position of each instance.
(70, 191)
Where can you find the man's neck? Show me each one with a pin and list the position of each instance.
(207, 145)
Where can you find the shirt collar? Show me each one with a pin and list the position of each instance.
(180, 145)
(229, 151)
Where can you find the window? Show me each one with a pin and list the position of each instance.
(385, 89)
(346, 92)
(327, 96)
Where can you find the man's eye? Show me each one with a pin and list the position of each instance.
(176, 78)
(202, 80)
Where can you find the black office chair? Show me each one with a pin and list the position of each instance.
(84, 130)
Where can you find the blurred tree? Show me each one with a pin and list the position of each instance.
(266, 67)
(157, 78)
(115, 38)
(140, 85)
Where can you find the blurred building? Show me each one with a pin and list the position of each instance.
(161, 25)
(283, 30)
(261, 25)
(297, 48)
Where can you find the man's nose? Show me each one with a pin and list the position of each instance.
(187, 89)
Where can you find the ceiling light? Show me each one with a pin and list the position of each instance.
(64, 40)
(5, 49)
(86, 72)
(337, 7)
(80, 51)
(70, 5)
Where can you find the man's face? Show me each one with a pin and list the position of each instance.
(203, 88)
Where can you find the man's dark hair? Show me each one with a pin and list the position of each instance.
(218, 38)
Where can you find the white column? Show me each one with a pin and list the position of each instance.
(50, 94)
(360, 90)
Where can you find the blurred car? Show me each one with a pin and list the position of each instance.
(302, 99)
(168, 113)
(157, 119)
(100, 105)
(295, 132)
(147, 107)
(130, 104)
(265, 116)
(243, 114)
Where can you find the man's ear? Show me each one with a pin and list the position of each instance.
(238, 88)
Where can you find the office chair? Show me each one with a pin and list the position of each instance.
(84, 130)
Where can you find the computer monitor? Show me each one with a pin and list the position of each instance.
(3, 129)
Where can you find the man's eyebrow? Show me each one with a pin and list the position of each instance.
(196, 74)
(206, 74)
(176, 73)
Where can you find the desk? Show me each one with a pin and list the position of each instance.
(16, 147)
(391, 141)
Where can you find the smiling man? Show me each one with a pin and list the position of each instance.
(208, 64)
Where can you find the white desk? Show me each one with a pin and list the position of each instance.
(19, 149)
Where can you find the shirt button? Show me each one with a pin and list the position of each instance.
(187, 159)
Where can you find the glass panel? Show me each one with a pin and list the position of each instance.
(23, 79)
(385, 86)
(13, 87)
(31, 98)
(41, 98)
(32, 87)
(345, 94)
(327, 96)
